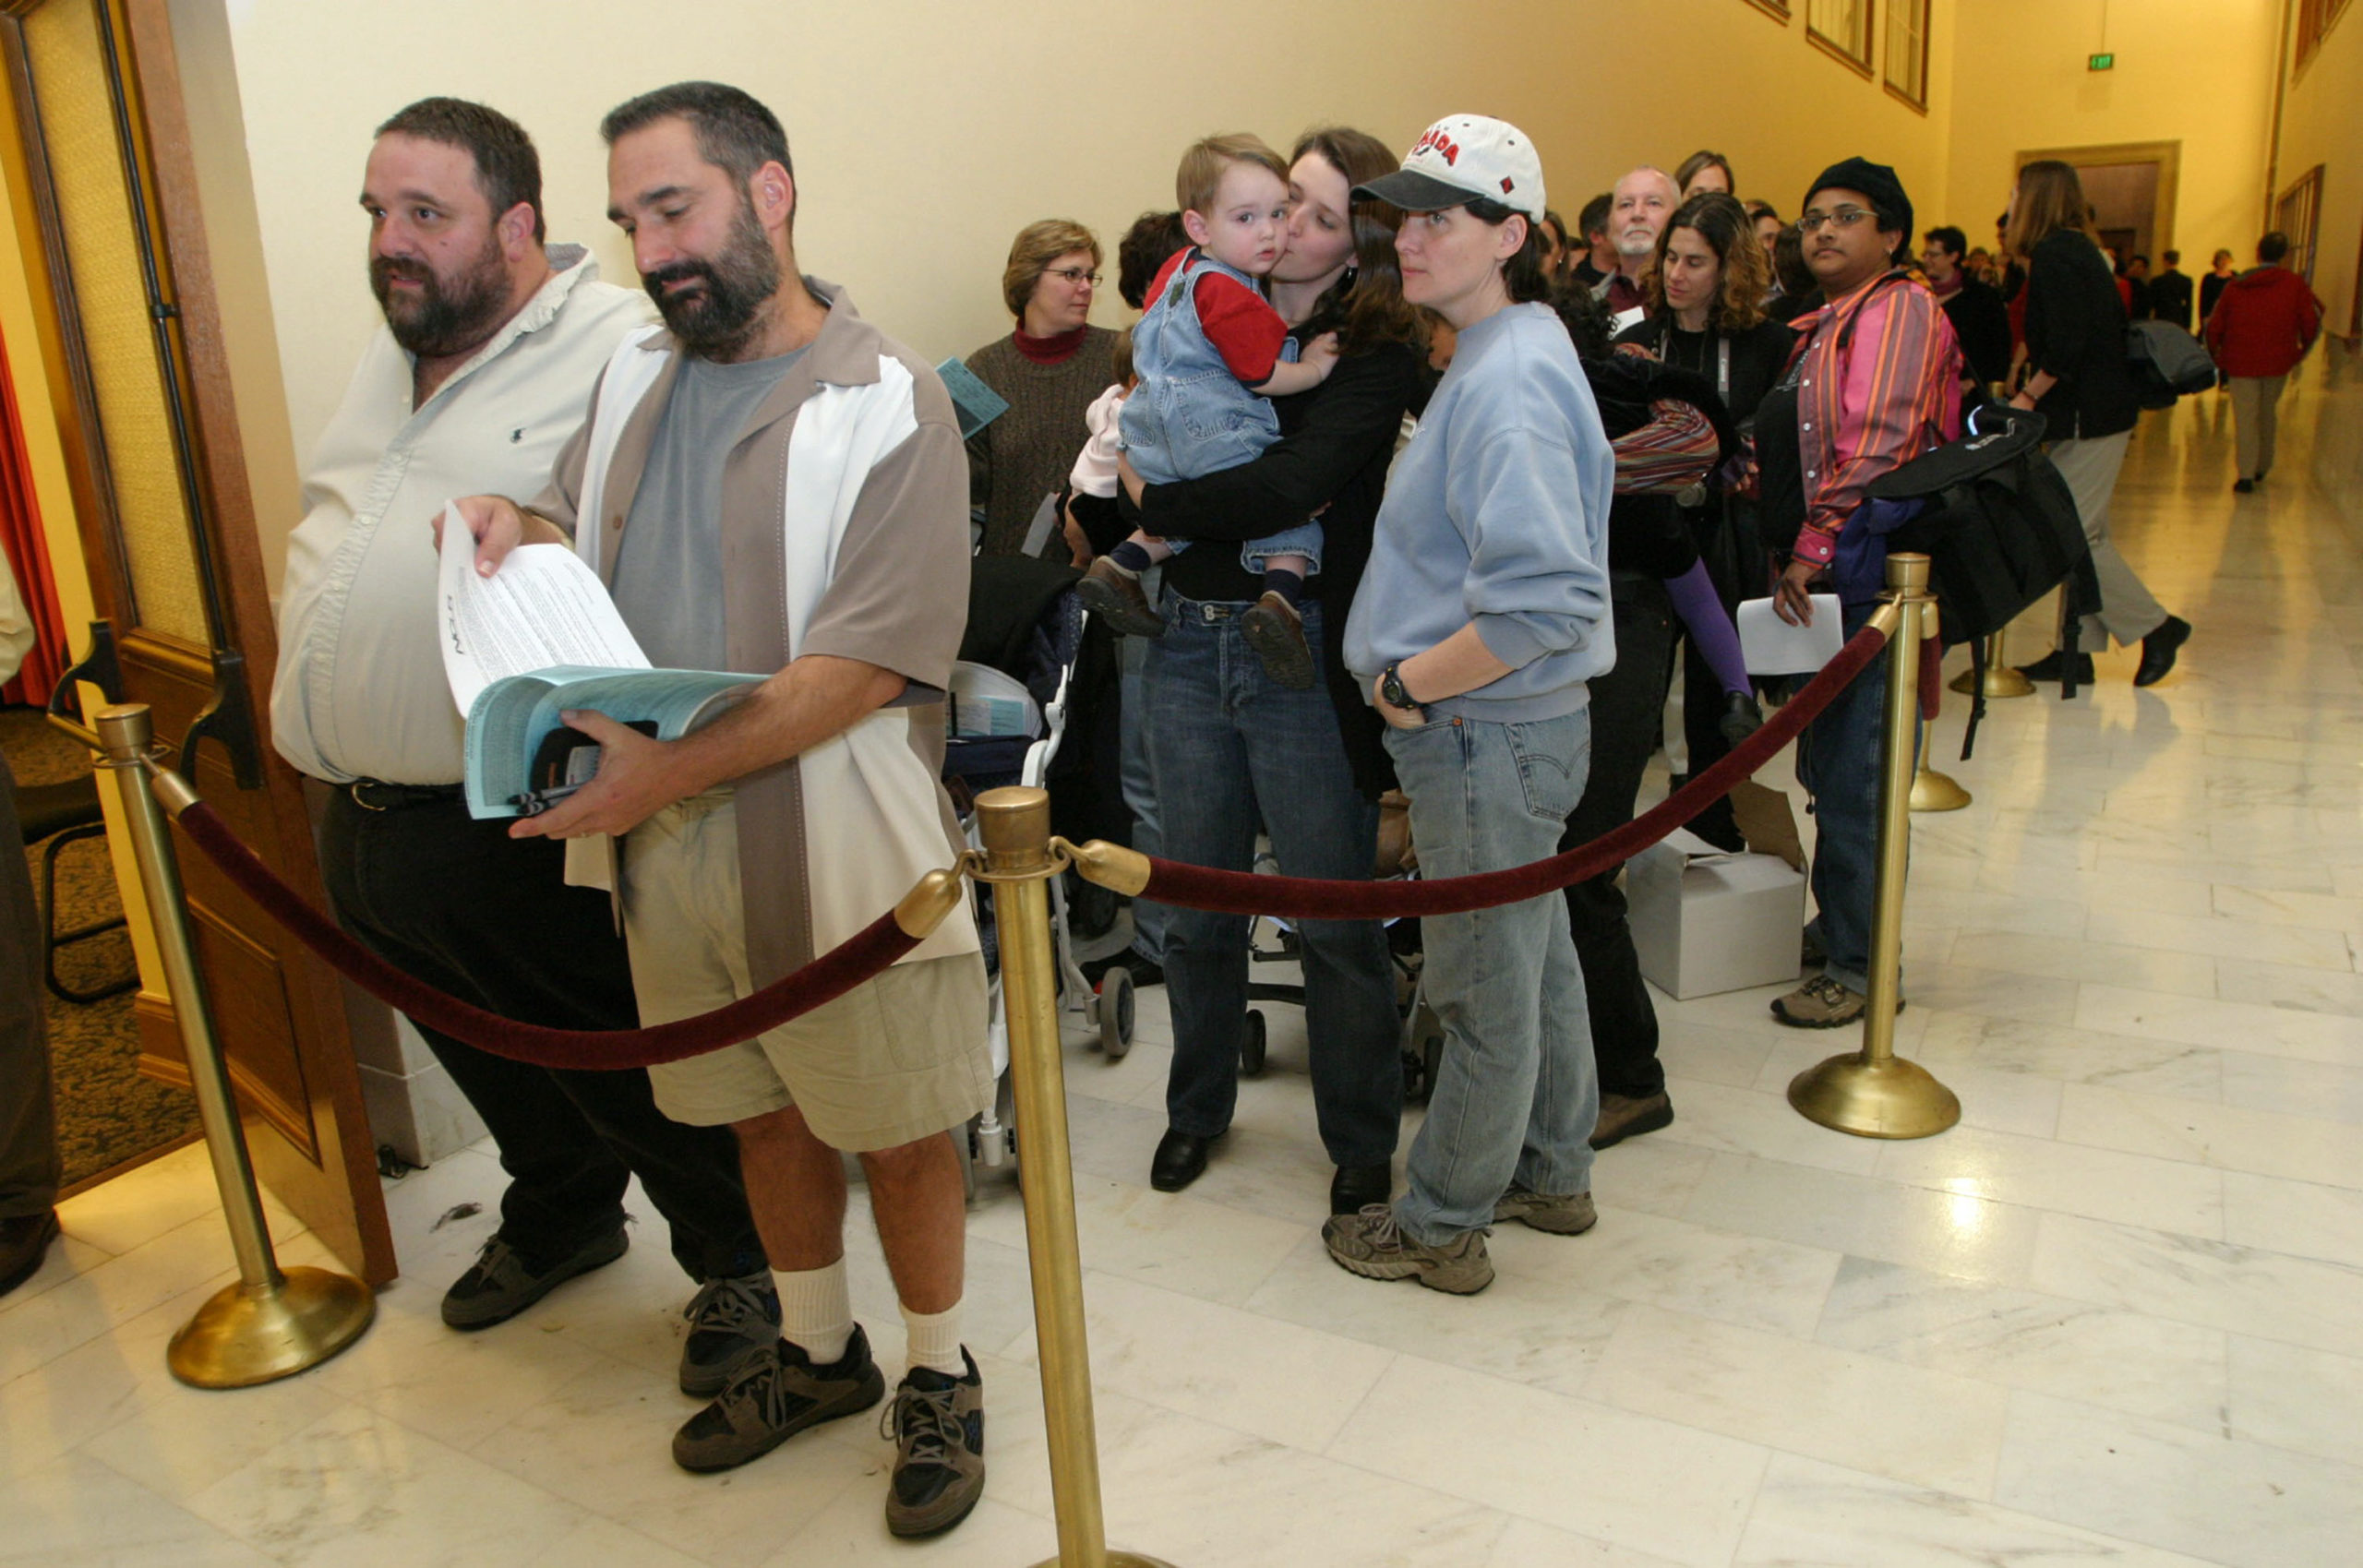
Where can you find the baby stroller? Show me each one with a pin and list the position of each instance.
(1013, 697)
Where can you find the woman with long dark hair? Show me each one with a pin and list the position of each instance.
(2079, 380)
(1231, 748)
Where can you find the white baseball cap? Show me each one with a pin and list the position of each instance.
(1464, 157)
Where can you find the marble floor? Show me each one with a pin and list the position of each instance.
(2115, 1317)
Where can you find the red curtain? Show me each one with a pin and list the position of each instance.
(28, 552)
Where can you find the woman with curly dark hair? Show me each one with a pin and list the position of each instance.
(1706, 317)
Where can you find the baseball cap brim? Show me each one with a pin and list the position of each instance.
(1415, 192)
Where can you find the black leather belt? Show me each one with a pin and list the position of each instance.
(376, 794)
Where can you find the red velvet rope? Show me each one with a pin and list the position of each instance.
(1306, 898)
(868, 952)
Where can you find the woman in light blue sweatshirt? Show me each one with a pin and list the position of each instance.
(1483, 614)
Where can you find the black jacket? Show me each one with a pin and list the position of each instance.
(1336, 442)
(2076, 332)
(1981, 319)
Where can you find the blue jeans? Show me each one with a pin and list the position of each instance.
(1516, 1094)
(1838, 761)
(1229, 747)
(1139, 781)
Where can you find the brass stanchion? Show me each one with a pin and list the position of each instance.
(1874, 1093)
(1933, 791)
(2001, 680)
(1016, 826)
(274, 1321)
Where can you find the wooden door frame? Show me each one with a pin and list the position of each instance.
(2167, 155)
(224, 511)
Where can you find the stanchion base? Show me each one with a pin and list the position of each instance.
(1894, 1098)
(1933, 791)
(246, 1334)
(1118, 1560)
(2001, 680)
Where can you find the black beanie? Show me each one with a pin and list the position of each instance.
(1875, 180)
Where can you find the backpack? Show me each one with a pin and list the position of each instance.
(1999, 527)
(2166, 362)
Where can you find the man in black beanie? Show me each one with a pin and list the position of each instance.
(1875, 383)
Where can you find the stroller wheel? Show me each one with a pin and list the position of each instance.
(1112, 1011)
(1251, 1046)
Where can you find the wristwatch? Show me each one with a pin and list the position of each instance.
(1390, 687)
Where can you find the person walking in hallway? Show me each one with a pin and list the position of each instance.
(28, 1158)
(2080, 381)
(2264, 323)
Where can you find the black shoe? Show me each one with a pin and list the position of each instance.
(1356, 1187)
(1179, 1160)
(2158, 651)
(937, 1425)
(774, 1397)
(502, 1283)
(24, 1242)
(2055, 665)
(2243, 486)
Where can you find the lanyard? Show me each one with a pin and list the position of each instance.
(1722, 357)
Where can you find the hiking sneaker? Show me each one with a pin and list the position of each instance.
(1275, 629)
(1569, 1216)
(937, 1425)
(1629, 1116)
(501, 1283)
(1371, 1244)
(1822, 1003)
(773, 1397)
(1118, 599)
(731, 1320)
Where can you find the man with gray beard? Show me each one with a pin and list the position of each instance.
(491, 345)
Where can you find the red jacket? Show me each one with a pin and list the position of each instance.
(2264, 323)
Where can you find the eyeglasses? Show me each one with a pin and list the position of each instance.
(1073, 274)
(1845, 217)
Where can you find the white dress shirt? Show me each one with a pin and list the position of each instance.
(360, 692)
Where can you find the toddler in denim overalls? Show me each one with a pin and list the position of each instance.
(1207, 354)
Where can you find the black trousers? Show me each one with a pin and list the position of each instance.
(1628, 707)
(28, 1159)
(462, 906)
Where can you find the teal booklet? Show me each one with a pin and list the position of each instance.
(978, 404)
(523, 759)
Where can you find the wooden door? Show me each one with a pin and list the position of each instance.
(109, 215)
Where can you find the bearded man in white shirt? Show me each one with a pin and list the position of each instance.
(492, 344)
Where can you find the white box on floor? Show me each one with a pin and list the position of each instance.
(1705, 920)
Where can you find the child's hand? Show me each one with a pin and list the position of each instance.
(1321, 354)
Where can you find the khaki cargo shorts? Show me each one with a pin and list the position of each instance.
(890, 1062)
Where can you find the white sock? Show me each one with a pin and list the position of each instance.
(935, 1341)
(816, 1312)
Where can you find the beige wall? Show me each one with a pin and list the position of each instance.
(2197, 71)
(927, 134)
(2321, 123)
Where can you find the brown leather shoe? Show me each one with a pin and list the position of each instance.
(1276, 631)
(1118, 600)
(1625, 1115)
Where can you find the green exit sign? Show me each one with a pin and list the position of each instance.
(2101, 62)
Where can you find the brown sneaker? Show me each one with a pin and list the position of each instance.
(774, 1397)
(1822, 1003)
(1117, 599)
(1571, 1214)
(1625, 1115)
(1276, 631)
(1369, 1243)
(937, 1424)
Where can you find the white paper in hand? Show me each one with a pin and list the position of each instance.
(1773, 647)
(545, 607)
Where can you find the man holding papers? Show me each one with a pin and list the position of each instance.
(484, 370)
(772, 486)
